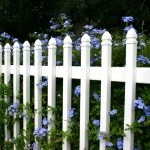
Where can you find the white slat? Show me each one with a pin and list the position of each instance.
(84, 97)
(130, 87)
(67, 64)
(51, 80)
(26, 82)
(105, 86)
(7, 79)
(37, 78)
(16, 82)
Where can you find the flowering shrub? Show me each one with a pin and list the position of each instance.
(39, 138)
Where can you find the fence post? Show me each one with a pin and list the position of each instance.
(16, 82)
(84, 97)
(51, 80)
(26, 83)
(130, 86)
(37, 78)
(6, 80)
(67, 64)
(105, 86)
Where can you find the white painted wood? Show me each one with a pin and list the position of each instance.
(105, 86)
(26, 81)
(7, 79)
(118, 74)
(84, 97)
(51, 70)
(130, 86)
(37, 78)
(67, 64)
(16, 82)
(129, 74)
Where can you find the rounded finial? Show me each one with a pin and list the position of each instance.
(37, 43)
(26, 44)
(85, 38)
(67, 40)
(52, 41)
(16, 45)
(106, 36)
(7, 46)
(131, 33)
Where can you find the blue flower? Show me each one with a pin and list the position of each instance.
(59, 41)
(96, 122)
(96, 96)
(109, 144)
(58, 62)
(119, 143)
(98, 31)
(40, 132)
(127, 19)
(95, 42)
(142, 119)
(45, 121)
(71, 112)
(100, 136)
(54, 26)
(88, 27)
(35, 146)
(77, 44)
(113, 112)
(67, 23)
(139, 103)
(147, 110)
(143, 59)
(5, 35)
(15, 40)
(13, 108)
(77, 90)
(128, 28)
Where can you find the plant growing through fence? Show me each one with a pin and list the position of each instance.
(49, 139)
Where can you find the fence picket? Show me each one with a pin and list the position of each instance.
(130, 86)
(26, 82)
(51, 80)
(67, 64)
(7, 52)
(84, 97)
(16, 82)
(37, 78)
(105, 86)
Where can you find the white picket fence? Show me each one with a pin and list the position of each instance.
(130, 74)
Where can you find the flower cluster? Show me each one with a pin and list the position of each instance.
(143, 59)
(127, 19)
(96, 122)
(13, 108)
(96, 96)
(43, 83)
(71, 112)
(40, 132)
(113, 112)
(139, 103)
(119, 143)
(77, 90)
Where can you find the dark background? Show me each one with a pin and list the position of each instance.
(21, 17)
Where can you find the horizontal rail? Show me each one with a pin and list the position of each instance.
(118, 74)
